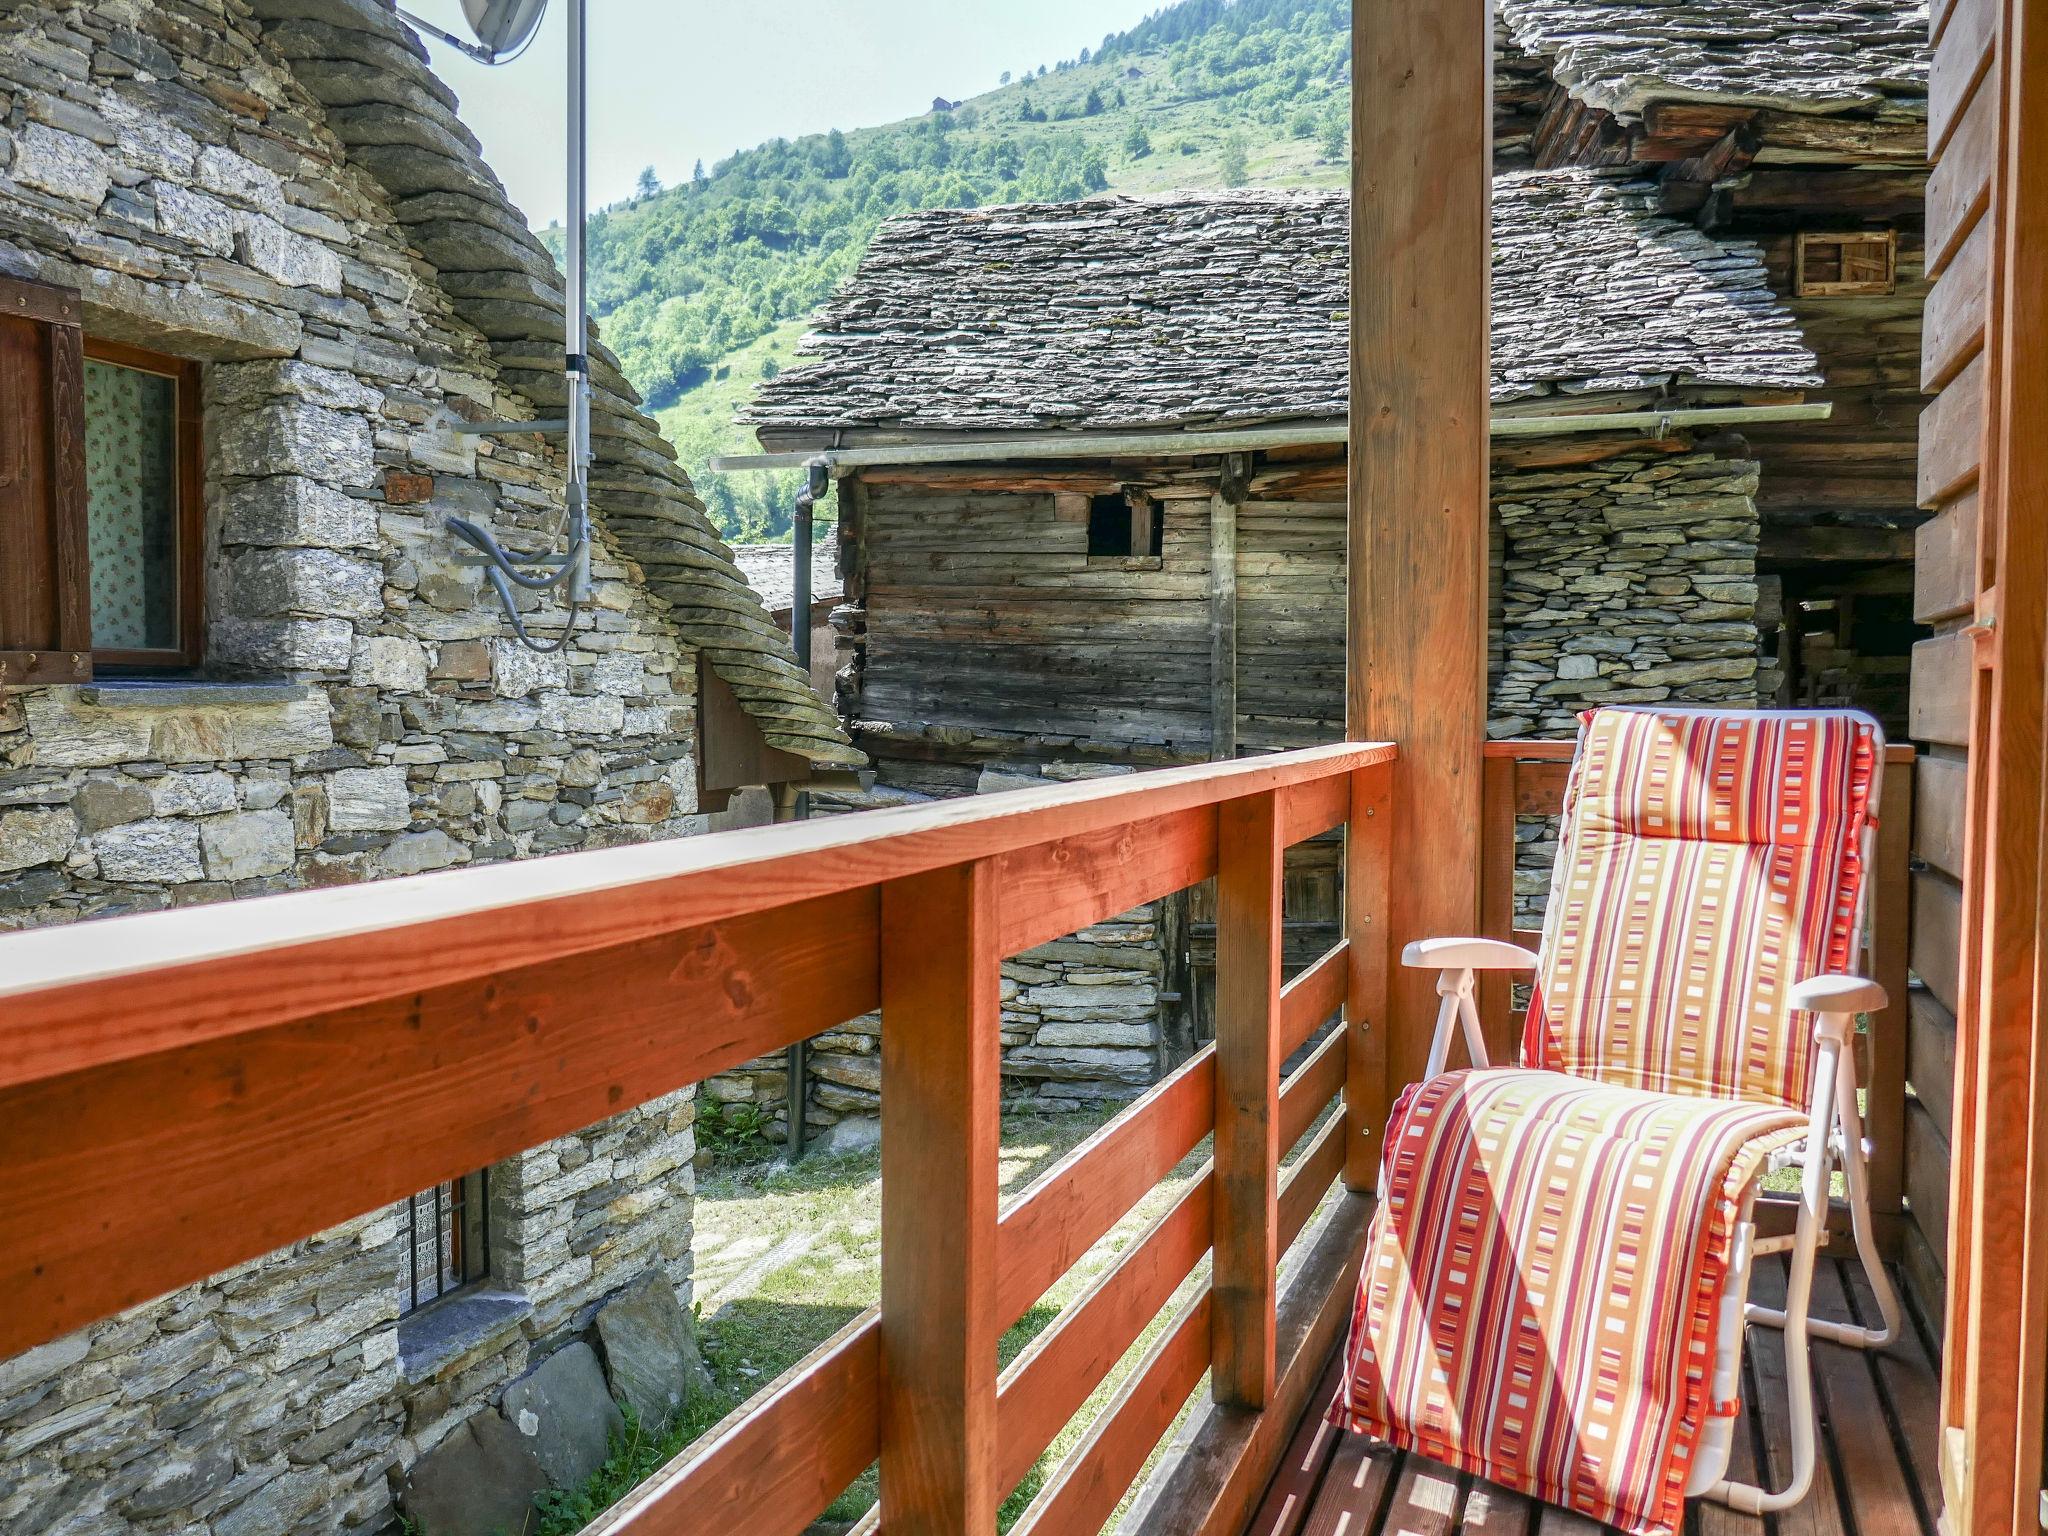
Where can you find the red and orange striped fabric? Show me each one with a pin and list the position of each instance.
(1708, 861)
(1538, 1300)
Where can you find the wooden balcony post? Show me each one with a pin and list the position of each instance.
(1416, 670)
(1247, 1148)
(1365, 1001)
(1891, 898)
(941, 1059)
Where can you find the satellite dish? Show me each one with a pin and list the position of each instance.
(503, 27)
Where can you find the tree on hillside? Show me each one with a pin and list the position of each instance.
(1093, 105)
(1137, 143)
(838, 157)
(648, 184)
(1003, 78)
(1332, 145)
(1234, 167)
(1303, 124)
(697, 177)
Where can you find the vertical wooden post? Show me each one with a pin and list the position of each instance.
(1365, 998)
(1222, 627)
(941, 1058)
(1497, 898)
(1890, 887)
(1247, 1148)
(1416, 675)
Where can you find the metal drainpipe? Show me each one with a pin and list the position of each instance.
(818, 478)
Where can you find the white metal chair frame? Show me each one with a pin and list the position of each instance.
(1834, 1131)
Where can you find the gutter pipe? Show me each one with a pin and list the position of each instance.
(1249, 439)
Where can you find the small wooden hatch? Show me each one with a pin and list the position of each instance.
(1828, 263)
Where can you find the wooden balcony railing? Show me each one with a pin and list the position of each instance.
(182, 1091)
(1527, 778)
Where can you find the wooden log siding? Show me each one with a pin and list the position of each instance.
(180, 1091)
(985, 615)
(1290, 618)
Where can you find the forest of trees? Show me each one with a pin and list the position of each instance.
(683, 278)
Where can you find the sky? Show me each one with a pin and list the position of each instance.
(675, 80)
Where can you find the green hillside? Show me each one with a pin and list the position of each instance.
(702, 289)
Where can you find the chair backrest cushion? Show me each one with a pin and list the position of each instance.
(1708, 861)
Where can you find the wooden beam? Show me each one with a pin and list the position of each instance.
(942, 1059)
(1366, 920)
(1222, 627)
(1416, 672)
(1786, 542)
(1249, 850)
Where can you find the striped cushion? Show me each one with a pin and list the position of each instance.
(1537, 1304)
(1708, 861)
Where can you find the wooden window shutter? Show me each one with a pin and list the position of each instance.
(45, 578)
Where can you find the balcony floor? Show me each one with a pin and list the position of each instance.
(1878, 1446)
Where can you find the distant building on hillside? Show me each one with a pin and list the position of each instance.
(940, 104)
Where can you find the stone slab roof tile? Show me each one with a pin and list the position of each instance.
(1827, 56)
(1217, 309)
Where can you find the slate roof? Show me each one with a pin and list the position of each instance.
(398, 122)
(770, 570)
(1825, 56)
(1219, 309)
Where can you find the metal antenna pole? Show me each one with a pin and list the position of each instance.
(577, 341)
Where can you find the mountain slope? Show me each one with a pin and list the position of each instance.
(702, 288)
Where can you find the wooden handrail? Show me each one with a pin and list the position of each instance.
(191, 1089)
(88, 994)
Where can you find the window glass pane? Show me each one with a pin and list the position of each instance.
(131, 476)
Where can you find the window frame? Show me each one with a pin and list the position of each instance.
(469, 1258)
(1807, 241)
(45, 604)
(191, 520)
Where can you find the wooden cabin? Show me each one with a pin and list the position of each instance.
(180, 1091)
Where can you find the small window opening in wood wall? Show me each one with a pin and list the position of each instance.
(1123, 524)
(1861, 262)
(144, 533)
(447, 1239)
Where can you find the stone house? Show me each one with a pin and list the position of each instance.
(255, 282)
(1091, 472)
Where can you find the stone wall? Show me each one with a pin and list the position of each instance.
(363, 711)
(1627, 581)
(287, 1394)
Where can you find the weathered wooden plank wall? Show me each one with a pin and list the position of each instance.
(1290, 610)
(986, 614)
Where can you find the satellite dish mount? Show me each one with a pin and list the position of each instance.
(504, 29)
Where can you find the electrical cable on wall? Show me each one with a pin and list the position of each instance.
(504, 30)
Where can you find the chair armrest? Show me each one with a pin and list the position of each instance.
(1467, 955)
(1838, 994)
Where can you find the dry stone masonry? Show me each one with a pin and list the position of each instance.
(1627, 581)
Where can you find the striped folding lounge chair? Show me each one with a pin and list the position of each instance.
(1553, 1292)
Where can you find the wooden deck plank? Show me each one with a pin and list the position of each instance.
(1494, 1511)
(1293, 1489)
(1880, 1500)
(1426, 1499)
(1820, 1512)
(1909, 1380)
(1355, 1488)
